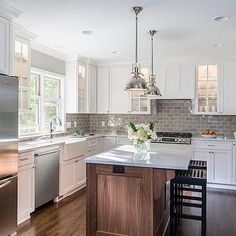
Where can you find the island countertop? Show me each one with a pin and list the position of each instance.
(125, 155)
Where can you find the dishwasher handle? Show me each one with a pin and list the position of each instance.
(45, 153)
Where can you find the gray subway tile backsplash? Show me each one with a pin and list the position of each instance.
(173, 115)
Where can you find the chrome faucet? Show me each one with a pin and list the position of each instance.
(51, 127)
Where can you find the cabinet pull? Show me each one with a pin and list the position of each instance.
(24, 159)
(76, 161)
(211, 145)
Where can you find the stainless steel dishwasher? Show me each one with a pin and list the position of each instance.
(46, 175)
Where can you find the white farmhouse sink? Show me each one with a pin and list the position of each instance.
(75, 148)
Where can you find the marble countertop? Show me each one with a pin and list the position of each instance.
(125, 155)
(217, 138)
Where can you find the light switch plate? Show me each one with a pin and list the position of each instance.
(75, 124)
(103, 123)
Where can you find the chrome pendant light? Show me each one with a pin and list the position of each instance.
(137, 82)
(152, 88)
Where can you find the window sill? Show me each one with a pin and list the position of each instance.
(35, 136)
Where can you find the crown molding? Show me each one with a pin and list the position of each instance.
(46, 50)
(21, 31)
(9, 11)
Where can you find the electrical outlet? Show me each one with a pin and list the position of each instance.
(103, 123)
(68, 125)
(75, 124)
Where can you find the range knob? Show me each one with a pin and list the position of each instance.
(184, 140)
(176, 140)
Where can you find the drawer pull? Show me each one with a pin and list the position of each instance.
(76, 161)
(24, 159)
(211, 145)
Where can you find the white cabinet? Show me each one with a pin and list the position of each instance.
(234, 163)
(92, 88)
(176, 81)
(67, 177)
(228, 87)
(26, 192)
(118, 96)
(73, 175)
(103, 90)
(80, 172)
(5, 39)
(219, 159)
(81, 86)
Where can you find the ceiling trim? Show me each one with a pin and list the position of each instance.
(21, 31)
(9, 11)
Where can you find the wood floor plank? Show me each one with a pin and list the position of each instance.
(68, 217)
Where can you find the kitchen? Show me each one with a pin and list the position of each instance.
(72, 74)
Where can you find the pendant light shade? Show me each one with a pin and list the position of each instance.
(137, 82)
(152, 90)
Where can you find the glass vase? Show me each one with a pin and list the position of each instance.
(142, 146)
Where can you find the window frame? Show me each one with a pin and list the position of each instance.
(43, 74)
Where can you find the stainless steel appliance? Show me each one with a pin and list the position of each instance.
(173, 137)
(46, 175)
(8, 154)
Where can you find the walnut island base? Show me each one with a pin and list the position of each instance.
(127, 197)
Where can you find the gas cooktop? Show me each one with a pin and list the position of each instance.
(173, 137)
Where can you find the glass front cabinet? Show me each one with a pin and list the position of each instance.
(207, 89)
(21, 69)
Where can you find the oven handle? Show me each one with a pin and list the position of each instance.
(45, 153)
(5, 184)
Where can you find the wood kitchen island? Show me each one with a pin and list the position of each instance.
(128, 195)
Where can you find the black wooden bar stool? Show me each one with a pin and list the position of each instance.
(178, 199)
(196, 164)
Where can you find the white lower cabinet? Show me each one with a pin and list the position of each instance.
(80, 172)
(26, 192)
(219, 161)
(73, 175)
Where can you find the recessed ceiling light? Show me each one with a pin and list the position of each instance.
(218, 45)
(116, 52)
(221, 18)
(87, 32)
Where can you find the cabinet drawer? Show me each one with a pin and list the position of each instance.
(213, 145)
(25, 158)
(91, 143)
(92, 151)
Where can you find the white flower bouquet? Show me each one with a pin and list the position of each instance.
(141, 133)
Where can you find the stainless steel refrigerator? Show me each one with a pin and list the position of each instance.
(8, 154)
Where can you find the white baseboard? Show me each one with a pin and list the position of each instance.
(221, 186)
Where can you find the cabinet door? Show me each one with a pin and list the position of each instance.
(204, 155)
(229, 85)
(80, 172)
(92, 89)
(68, 181)
(118, 96)
(103, 84)
(221, 162)
(26, 192)
(4, 45)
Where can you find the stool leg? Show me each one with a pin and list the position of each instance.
(172, 220)
(204, 209)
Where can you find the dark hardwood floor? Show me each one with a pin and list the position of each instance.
(67, 218)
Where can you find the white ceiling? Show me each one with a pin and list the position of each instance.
(186, 27)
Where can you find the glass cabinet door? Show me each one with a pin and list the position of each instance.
(82, 87)
(21, 66)
(207, 88)
(139, 101)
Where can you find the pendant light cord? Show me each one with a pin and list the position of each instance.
(152, 54)
(136, 41)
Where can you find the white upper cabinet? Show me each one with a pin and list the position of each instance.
(92, 88)
(81, 77)
(228, 87)
(103, 90)
(176, 81)
(119, 98)
(5, 45)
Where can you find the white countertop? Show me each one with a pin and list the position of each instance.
(124, 155)
(217, 138)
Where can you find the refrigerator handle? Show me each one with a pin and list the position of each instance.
(5, 184)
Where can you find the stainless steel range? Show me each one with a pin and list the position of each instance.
(173, 137)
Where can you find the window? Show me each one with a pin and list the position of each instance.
(46, 104)
(82, 87)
